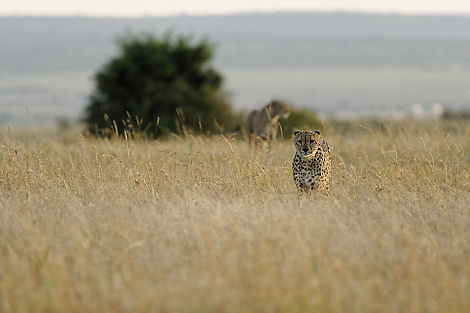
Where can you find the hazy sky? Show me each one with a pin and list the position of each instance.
(172, 7)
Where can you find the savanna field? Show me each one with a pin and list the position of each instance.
(206, 224)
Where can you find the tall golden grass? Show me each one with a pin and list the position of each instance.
(199, 224)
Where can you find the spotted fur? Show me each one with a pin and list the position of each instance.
(311, 165)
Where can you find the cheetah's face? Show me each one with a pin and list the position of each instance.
(281, 108)
(307, 142)
(286, 112)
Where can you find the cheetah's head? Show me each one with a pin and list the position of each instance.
(279, 107)
(307, 142)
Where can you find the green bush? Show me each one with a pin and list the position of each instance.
(158, 85)
(300, 119)
(456, 115)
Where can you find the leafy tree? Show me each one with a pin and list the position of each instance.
(158, 85)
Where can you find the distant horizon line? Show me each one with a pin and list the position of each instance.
(238, 13)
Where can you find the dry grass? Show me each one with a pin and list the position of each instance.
(206, 225)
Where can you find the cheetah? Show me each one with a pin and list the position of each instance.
(311, 165)
(262, 124)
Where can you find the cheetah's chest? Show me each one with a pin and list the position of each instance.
(307, 166)
(308, 172)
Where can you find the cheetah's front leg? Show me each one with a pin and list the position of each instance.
(311, 182)
(299, 183)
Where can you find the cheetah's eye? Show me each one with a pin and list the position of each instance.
(299, 142)
(312, 141)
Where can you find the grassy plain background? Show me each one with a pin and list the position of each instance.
(199, 224)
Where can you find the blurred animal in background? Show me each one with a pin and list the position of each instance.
(311, 165)
(263, 124)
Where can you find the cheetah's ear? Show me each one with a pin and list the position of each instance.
(317, 132)
(296, 132)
